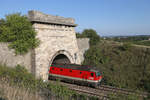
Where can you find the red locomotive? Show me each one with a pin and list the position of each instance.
(79, 74)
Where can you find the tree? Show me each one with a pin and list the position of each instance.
(18, 31)
(94, 56)
(1, 23)
(92, 34)
(79, 35)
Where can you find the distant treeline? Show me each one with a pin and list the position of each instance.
(129, 38)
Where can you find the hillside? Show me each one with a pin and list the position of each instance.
(124, 66)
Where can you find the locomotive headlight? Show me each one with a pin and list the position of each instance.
(100, 79)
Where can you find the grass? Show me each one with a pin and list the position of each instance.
(9, 92)
(18, 84)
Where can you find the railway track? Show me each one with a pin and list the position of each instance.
(116, 90)
(103, 91)
(85, 90)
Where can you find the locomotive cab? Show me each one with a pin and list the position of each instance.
(98, 74)
(97, 78)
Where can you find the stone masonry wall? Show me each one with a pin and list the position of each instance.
(9, 58)
(83, 45)
(53, 39)
(57, 35)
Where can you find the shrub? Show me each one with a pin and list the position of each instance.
(79, 35)
(61, 91)
(17, 30)
(125, 46)
(94, 56)
(92, 35)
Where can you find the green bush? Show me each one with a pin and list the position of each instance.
(20, 76)
(79, 35)
(94, 56)
(18, 31)
(125, 46)
(61, 91)
(91, 34)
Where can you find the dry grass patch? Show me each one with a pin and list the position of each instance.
(8, 92)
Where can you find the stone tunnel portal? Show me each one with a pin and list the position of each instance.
(61, 58)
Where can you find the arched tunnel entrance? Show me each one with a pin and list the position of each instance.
(61, 58)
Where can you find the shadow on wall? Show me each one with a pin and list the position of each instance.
(2, 98)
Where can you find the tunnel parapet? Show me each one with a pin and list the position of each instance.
(36, 16)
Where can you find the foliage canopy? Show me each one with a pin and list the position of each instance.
(91, 34)
(18, 31)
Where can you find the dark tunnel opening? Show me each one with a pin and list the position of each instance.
(61, 59)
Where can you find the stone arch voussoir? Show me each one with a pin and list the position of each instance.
(64, 52)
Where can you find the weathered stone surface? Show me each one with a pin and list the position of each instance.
(37, 16)
(83, 45)
(8, 57)
(54, 39)
(57, 37)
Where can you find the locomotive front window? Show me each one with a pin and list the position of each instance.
(92, 74)
(98, 74)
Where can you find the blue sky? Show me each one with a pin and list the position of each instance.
(107, 17)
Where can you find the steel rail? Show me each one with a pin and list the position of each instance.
(103, 91)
